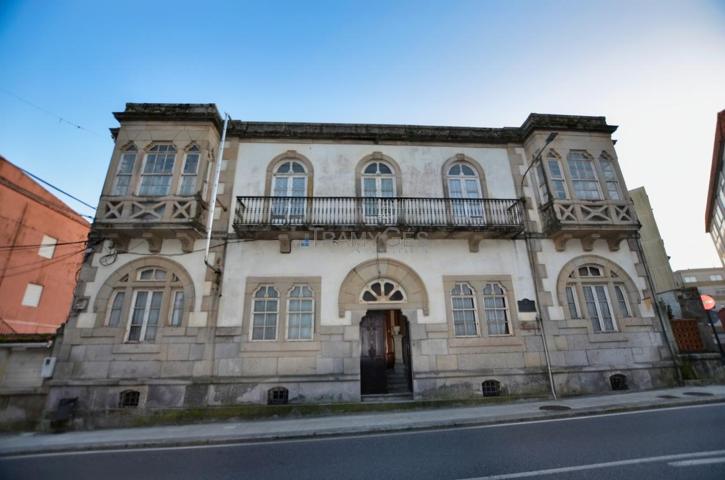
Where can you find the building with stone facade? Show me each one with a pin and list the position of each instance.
(715, 207)
(350, 261)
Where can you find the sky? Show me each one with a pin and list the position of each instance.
(655, 68)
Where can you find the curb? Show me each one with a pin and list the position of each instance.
(419, 426)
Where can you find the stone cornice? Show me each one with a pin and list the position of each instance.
(207, 112)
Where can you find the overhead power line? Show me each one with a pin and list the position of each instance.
(58, 189)
(46, 111)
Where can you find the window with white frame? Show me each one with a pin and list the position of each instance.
(177, 309)
(289, 187)
(124, 172)
(464, 187)
(300, 313)
(689, 279)
(143, 300)
(265, 311)
(556, 176)
(158, 171)
(716, 278)
(496, 309)
(145, 315)
(611, 181)
(31, 297)
(378, 183)
(541, 183)
(463, 306)
(583, 176)
(47, 246)
(187, 185)
(597, 293)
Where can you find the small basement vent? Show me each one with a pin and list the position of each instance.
(491, 388)
(277, 396)
(618, 382)
(129, 399)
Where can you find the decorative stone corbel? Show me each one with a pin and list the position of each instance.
(560, 242)
(474, 242)
(613, 242)
(154, 242)
(588, 243)
(285, 244)
(187, 242)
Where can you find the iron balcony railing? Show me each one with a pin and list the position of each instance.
(475, 214)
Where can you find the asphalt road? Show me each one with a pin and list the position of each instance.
(678, 443)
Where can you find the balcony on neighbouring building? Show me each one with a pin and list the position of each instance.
(154, 218)
(610, 220)
(266, 217)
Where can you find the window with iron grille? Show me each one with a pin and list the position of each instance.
(491, 388)
(277, 396)
(618, 382)
(129, 399)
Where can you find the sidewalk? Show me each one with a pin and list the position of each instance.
(247, 431)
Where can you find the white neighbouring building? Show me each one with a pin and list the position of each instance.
(358, 260)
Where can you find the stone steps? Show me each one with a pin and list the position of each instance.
(388, 398)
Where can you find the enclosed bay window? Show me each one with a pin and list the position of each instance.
(611, 180)
(556, 177)
(187, 185)
(583, 176)
(124, 172)
(158, 170)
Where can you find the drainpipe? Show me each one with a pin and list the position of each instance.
(532, 262)
(658, 311)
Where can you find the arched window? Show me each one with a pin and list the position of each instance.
(611, 179)
(496, 309)
(383, 291)
(597, 293)
(463, 305)
(300, 313)
(378, 183)
(289, 184)
(583, 176)
(187, 185)
(143, 296)
(157, 171)
(124, 172)
(265, 311)
(465, 187)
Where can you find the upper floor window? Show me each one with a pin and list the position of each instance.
(556, 175)
(583, 176)
(124, 173)
(463, 181)
(187, 186)
(47, 246)
(611, 180)
(158, 171)
(290, 180)
(378, 180)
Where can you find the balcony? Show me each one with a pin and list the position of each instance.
(589, 220)
(154, 218)
(267, 217)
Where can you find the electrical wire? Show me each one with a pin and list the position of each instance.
(38, 245)
(49, 262)
(58, 189)
(52, 114)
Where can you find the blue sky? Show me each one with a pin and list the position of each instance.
(657, 69)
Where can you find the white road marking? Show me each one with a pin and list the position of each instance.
(323, 437)
(692, 463)
(592, 466)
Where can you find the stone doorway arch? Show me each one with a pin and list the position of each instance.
(349, 297)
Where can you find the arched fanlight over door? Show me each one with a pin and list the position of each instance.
(383, 291)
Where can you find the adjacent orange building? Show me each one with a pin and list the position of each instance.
(42, 243)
